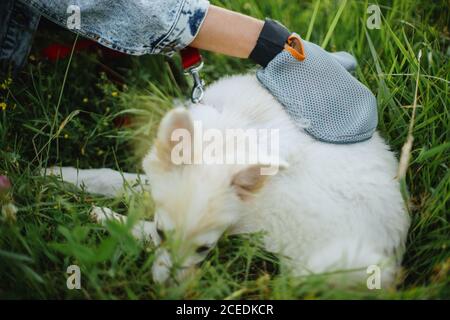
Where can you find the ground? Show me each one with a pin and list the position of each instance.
(91, 111)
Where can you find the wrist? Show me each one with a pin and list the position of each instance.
(228, 32)
(271, 41)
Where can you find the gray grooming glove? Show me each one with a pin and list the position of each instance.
(321, 95)
(315, 87)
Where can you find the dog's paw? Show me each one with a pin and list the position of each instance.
(51, 171)
(142, 230)
(102, 214)
(68, 174)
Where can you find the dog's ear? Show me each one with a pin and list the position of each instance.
(249, 180)
(176, 128)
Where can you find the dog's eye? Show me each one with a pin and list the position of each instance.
(161, 234)
(202, 249)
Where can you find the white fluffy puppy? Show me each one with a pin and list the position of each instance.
(328, 208)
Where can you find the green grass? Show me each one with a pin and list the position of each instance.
(46, 123)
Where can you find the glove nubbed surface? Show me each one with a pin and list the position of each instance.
(321, 95)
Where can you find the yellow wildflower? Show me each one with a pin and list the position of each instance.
(114, 93)
(5, 84)
(3, 106)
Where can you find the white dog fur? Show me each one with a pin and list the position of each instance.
(329, 208)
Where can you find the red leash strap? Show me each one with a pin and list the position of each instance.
(190, 57)
(192, 64)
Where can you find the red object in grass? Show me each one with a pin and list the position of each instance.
(5, 184)
(58, 51)
(122, 121)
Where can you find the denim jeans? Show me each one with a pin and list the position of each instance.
(131, 26)
(18, 23)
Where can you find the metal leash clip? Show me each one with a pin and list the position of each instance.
(198, 89)
(192, 62)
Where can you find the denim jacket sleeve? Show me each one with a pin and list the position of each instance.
(130, 26)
